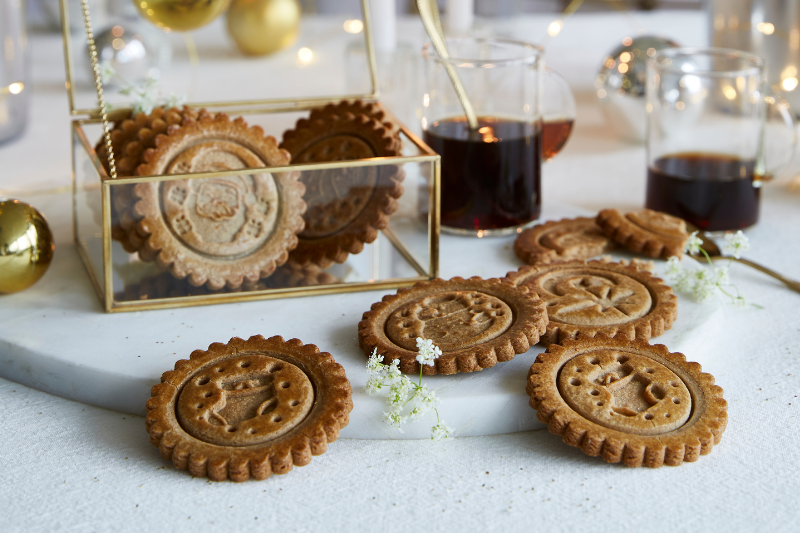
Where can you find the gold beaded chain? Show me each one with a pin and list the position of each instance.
(98, 84)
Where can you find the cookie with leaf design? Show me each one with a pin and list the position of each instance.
(249, 408)
(475, 322)
(627, 401)
(588, 298)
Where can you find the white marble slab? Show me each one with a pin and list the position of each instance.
(56, 338)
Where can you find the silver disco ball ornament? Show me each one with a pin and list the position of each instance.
(621, 84)
(134, 50)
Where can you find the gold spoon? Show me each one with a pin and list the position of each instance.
(715, 254)
(429, 13)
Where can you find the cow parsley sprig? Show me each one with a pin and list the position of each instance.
(703, 282)
(146, 96)
(407, 401)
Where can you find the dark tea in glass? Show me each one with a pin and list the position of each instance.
(491, 177)
(714, 192)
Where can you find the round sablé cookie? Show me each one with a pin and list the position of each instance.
(585, 299)
(130, 137)
(562, 240)
(346, 206)
(220, 232)
(648, 232)
(627, 401)
(371, 109)
(475, 322)
(249, 409)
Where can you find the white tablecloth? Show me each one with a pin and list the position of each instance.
(69, 466)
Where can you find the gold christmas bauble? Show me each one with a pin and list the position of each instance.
(26, 246)
(181, 15)
(261, 27)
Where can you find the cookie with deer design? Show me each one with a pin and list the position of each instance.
(649, 232)
(249, 408)
(627, 401)
(218, 232)
(475, 322)
(562, 240)
(585, 299)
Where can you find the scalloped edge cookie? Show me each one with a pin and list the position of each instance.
(154, 240)
(374, 216)
(529, 247)
(330, 413)
(687, 443)
(529, 324)
(624, 230)
(660, 318)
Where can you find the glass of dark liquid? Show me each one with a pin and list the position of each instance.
(490, 174)
(706, 154)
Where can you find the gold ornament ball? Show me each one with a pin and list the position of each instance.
(261, 27)
(181, 15)
(26, 246)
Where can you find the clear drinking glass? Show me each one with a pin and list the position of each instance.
(705, 148)
(490, 177)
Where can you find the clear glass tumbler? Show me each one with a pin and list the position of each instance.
(491, 177)
(705, 148)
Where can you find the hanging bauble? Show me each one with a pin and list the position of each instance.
(621, 84)
(181, 15)
(135, 50)
(261, 27)
(26, 246)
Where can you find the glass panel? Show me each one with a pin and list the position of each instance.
(88, 209)
(206, 65)
(233, 234)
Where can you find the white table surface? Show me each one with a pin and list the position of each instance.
(69, 466)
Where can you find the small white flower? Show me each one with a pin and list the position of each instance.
(735, 244)
(704, 285)
(394, 419)
(720, 276)
(740, 301)
(693, 244)
(399, 392)
(440, 431)
(175, 100)
(106, 71)
(373, 385)
(684, 281)
(674, 268)
(428, 352)
(375, 362)
(143, 105)
(392, 372)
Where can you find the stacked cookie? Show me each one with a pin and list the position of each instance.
(228, 234)
(347, 206)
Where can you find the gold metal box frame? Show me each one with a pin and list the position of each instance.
(103, 281)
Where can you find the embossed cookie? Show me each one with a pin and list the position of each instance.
(475, 322)
(346, 206)
(649, 232)
(222, 231)
(130, 137)
(249, 408)
(585, 299)
(562, 240)
(627, 401)
(358, 107)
